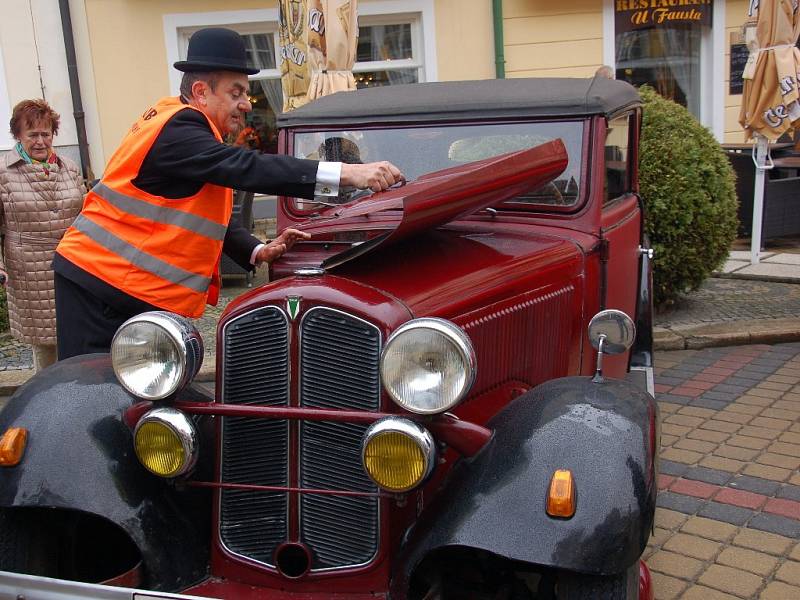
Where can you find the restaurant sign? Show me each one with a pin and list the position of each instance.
(638, 14)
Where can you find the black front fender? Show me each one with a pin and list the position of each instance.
(80, 457)
(605, 433)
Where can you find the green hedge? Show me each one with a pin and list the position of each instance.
(688, 187)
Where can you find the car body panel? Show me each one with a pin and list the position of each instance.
(621, 222)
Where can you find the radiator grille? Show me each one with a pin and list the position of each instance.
(339, 369)
(255, 451)
(339, 357)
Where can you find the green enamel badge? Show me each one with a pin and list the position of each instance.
(293, 306)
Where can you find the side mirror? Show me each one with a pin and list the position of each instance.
(610, 332)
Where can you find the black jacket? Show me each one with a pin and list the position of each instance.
(183, 158)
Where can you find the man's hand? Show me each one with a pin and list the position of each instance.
(276, 248)
(376, 176)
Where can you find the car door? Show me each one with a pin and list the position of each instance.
(621, 228)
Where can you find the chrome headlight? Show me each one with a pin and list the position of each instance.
(165, 441)
(155, 354)
(398, 454)
(428, 365)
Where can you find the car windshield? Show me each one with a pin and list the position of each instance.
(420, 150)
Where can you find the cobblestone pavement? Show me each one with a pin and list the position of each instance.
(722, 300)
(16, 356)
(728, 517)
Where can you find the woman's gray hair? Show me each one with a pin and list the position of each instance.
(210, 77)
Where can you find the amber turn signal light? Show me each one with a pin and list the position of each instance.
(561, 496)
(12, 446)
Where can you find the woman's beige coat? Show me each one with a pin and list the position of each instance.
(35, 211)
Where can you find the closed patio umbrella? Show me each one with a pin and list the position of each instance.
(293, 34)
(769, 102)
(332, 40)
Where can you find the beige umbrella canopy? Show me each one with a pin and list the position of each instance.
(769, 104)
(293, 34)
(332, 40)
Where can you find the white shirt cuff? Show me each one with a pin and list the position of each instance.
(328, 176)
(255, 253)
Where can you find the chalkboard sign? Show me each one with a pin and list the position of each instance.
(739, 56)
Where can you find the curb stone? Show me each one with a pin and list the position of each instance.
(733, 333)
(11, 380)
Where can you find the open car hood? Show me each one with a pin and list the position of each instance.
(447, 195)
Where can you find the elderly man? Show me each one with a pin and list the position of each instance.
(151, 232)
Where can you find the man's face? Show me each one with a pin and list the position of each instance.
(227, 104)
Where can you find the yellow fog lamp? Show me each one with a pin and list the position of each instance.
(398, 454)
(561, 495)
(165, 441)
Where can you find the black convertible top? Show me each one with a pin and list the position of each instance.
(456, 100)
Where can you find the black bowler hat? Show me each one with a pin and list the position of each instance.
(216, 49)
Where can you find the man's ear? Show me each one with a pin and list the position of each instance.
(200, 91)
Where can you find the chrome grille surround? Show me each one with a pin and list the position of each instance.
(337, 351)
(256, 371)
(340, 362)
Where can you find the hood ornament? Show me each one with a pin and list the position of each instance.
(293, 306)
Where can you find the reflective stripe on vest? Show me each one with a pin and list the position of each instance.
(161, 214)
(163, 251)
(148, 262)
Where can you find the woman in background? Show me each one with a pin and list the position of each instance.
(41, 193)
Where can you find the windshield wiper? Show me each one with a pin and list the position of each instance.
(332, 204)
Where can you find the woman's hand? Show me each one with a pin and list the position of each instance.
(277, 247)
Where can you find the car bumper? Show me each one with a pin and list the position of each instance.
(33, 587)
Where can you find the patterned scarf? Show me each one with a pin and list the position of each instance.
(51, 158)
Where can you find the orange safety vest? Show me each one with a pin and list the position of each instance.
(162, 251)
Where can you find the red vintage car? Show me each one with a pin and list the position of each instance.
(446, 393)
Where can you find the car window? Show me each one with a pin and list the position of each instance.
(618, 180)
(420, 150)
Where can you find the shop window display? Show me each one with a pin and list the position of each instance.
(667, 58)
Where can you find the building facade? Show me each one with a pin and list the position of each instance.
(33, 64)
(687, 49)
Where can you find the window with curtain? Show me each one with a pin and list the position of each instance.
(385, 56)
(265, 94)
(665, 57)
(388, 54)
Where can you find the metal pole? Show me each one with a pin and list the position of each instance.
(499, 43)
(763, 162)
(75, 89)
